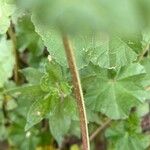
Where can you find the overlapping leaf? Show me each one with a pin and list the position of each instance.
(105, 52)
(57, 105)
(53, 41)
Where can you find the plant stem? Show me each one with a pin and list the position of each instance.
(143, 52)
(98, 130)
(4, 110)
(14, 41)
(77, 91)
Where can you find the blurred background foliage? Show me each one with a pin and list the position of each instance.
(123, 17)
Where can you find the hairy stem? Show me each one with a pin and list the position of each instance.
(98, 130)
(77, 91)
(14, 41)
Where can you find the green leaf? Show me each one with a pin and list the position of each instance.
(25, 96)
(54, 79)
(93, 116)
(142, 109)
(146, 38)
(32, 75)
(75, 129)
(57, 122)
(53, 41)
(3, 133)
(134, 42)
(54, 70)
(146, 63)
(124, 136)
(110, 52)
(23, 140)
(6, 10)
(39, 110)
(61, 110)
(105, 52)
(6, 60)
(27, 37)
(26, 90)
(114, 93)
(61, 118)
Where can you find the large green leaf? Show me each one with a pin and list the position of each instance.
(105, 52)
(114, 93)
(6, 60)
(110, 52)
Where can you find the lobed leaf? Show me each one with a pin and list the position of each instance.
(115, 96)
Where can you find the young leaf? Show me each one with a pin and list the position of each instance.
(54, 71)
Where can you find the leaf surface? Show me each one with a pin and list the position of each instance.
(6, 60)
(6, 10)
(110, 52)
(115, 96)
